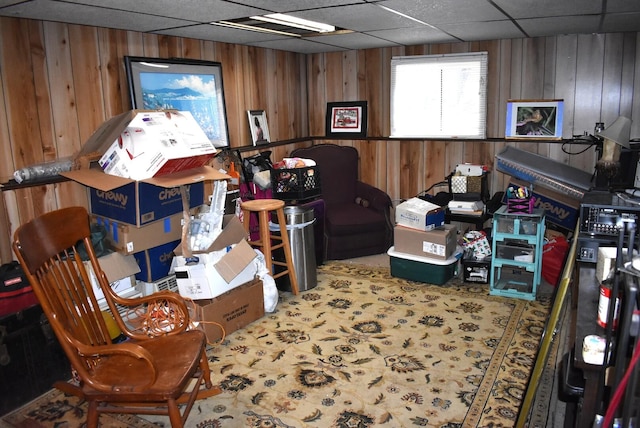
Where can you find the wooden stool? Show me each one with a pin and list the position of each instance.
(263, 207)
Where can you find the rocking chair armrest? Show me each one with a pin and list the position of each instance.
(158, 299)
(126, 349)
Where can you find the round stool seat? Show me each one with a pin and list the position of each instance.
(262, 208)
(258, 205)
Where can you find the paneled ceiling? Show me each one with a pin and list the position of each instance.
(362, 24)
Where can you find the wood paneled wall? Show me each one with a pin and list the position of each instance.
(59, 82)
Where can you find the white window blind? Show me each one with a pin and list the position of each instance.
(439, 96)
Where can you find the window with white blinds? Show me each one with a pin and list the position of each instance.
(439, 96)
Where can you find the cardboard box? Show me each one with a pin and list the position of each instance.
(131, 203)
(141, 144)
(437, 243)
(140, 203)
(120, 271)
(128, 239)
(214, 275)
(560, 209)
(231, 310)
(419, 214)
(155, 262)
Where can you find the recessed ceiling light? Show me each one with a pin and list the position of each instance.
(292, 21)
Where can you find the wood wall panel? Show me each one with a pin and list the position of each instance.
(59, 82)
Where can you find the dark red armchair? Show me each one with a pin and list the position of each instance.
(357, 220)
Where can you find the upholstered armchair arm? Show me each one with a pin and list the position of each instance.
(376, 198)
(378, 201)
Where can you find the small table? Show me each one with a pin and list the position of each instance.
(477, 220)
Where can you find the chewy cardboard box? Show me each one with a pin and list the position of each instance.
(560, 209)
(128, 239)
(129, 200)
(155, 263)
(120, 271)
(232, 310)
(419, 214)
(141, 144)
(212, 276)
(139, 203)
(436, 244)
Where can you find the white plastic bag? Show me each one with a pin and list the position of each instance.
(268, 283)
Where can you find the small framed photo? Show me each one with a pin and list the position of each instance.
(347, 119)
(534, 120)
(259, 127)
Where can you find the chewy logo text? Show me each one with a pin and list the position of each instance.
(169, 193)
(113, 196)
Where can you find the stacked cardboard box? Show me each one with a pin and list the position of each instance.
(141, 201)
(425, 248)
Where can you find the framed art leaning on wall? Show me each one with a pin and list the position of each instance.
(534, 120)
(181, 84)
(259, 127)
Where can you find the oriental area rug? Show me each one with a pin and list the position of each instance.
(361, 349)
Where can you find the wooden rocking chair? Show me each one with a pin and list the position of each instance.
(150, 372)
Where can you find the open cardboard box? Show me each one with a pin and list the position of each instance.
(208, 278)
(231, 310)
(120, 271)
(142, 201)
(141, 144)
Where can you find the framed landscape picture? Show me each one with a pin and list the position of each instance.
(346, 119)
(181, 84)
(534, 120)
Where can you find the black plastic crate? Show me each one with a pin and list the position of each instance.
(478, 271)
(295, 183)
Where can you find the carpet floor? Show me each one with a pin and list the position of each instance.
(361, 349)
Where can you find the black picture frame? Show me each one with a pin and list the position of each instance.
(346, 119)
(181, 84)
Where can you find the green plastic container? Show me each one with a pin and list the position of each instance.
(423, 269)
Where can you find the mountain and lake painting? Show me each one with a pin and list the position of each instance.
(188, 92)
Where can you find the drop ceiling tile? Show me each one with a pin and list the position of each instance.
(545, 8)
(354, 41)
(483, 30)
(358, 17)
(194, 10)
(622, 6)
(284, 6)
(303, 46)
(89, 15)
(437, 12)
(539, 27)
(219, 34)
(616, 22)
(414, 35)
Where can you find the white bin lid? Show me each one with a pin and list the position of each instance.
(456, 256)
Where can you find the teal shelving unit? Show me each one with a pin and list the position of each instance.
(516, 265)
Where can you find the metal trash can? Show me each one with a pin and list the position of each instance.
(300, 231)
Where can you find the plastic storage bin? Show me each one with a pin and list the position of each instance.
(515, 280)
(423, 269)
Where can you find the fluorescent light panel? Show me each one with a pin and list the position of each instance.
(292, 21)
(239, 26)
